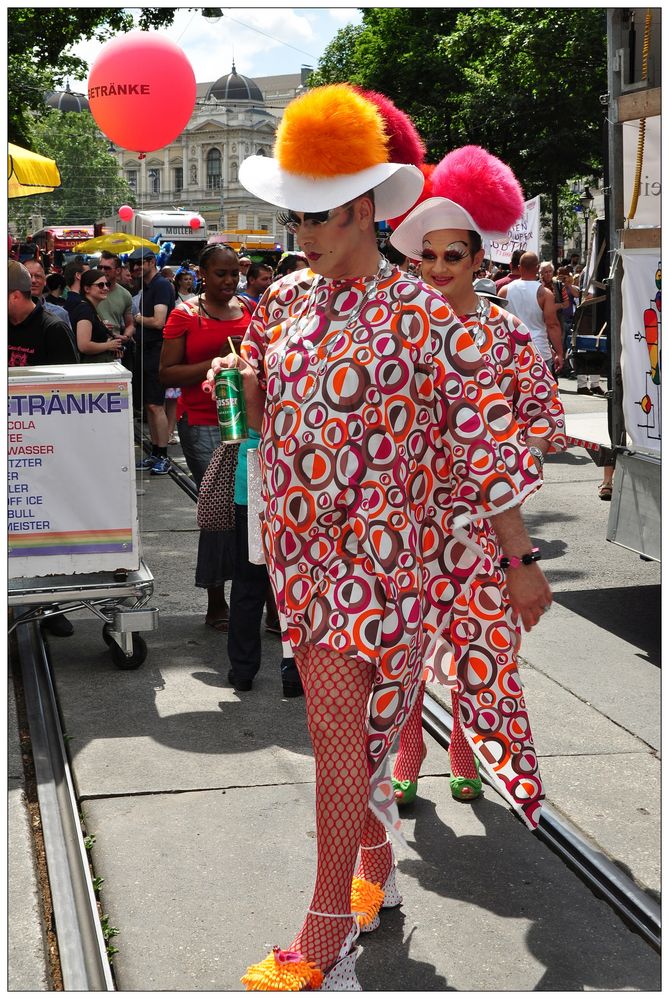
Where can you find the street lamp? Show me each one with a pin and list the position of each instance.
(586, 200)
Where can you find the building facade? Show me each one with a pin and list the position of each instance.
(234, 117)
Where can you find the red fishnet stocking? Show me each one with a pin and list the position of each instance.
(336, 691)
(460, 752)
(412, 748)
(374, 864)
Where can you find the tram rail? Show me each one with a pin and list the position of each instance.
(82, 949)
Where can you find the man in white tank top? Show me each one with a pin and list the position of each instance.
(534, 304)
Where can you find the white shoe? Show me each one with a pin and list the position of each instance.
(342, 977)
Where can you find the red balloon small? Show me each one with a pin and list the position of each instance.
(195, 223)
(125, 213)
(141, 91)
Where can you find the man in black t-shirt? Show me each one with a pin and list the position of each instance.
(156, 301)
(35, 336)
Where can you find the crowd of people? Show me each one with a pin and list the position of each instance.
(402, 407)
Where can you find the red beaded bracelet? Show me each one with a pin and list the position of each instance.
(517, 560)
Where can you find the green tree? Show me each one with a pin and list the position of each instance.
(92, 186)
(524, 83)
(38, 39)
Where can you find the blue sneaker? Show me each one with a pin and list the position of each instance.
(147, 462)
(161, 466)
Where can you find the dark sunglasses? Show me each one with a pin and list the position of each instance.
(292, 222)
(101, 284)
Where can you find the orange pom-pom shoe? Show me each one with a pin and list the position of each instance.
(366, 901)
(288, 971)
(331, 147)
(282, 971)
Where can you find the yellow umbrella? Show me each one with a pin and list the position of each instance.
(116, 242)
(29, 173)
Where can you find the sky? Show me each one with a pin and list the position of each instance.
(265, 41)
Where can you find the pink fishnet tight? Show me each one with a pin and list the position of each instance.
(410, 754)
(336, 691)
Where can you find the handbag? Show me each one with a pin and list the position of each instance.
(216, 496)
(256, 552)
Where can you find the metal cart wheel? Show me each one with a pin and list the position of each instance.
(119, 658)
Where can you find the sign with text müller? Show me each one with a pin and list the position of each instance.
(524, 235)
(71, 502)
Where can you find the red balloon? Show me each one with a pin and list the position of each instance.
(195, 223)
(125, 213)
(141, 91)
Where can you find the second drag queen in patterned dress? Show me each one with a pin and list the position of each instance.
(471, 194)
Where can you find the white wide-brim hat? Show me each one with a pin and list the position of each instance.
(429, 216)
(396, 187)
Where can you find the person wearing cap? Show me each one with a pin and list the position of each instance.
(156, 301)
(244, 264)
(258, 279)
(474, 195)
(35, 336)
(369, 396)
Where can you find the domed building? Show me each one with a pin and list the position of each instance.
(235, 89)
(234, 117)
(65, 100)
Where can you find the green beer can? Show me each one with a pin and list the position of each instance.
(230, 406)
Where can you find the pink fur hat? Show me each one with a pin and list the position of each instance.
(469, 189)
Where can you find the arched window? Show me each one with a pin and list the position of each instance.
(213, 169)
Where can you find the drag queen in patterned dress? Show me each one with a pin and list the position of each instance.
(473, 193)
(372, 402)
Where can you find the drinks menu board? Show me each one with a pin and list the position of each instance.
(71, 502)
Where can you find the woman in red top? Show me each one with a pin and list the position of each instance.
(197, 331)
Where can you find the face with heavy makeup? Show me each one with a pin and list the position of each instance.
(338, 243)
(447, 262)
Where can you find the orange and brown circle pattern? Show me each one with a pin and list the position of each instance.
(382, 427)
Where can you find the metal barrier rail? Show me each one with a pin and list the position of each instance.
(601, 875)
(182, 479)
(81, 945)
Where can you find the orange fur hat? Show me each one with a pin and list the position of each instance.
(330, 131)
(331, 147)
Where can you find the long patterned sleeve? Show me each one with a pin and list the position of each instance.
(489, 467)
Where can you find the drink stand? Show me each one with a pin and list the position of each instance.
(73, 533)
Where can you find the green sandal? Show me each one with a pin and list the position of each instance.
(405, 791)
(466, 789)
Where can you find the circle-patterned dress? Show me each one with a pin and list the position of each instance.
(385, 441)
(485, 632)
